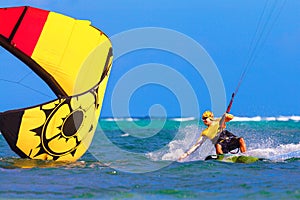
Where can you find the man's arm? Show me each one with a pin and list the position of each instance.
(192, 149)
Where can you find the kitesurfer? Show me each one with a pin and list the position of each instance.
(227, 141)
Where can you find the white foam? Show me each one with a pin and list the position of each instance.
(177, 147)
(128, 119)
(278, 153)
(184, 119)
(295, 118)
(108, 119)
(283, 118)
(271, 118)
(243, 119)
(236, 118)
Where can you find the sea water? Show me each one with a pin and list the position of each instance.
(137, 159)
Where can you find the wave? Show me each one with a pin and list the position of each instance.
(186, 119)
(128, 119)
(259, 118)
(279, 153)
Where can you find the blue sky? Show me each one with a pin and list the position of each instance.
(224, 29)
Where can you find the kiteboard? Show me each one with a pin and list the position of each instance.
(233, 158)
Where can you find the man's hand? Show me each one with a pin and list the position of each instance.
(183, 156)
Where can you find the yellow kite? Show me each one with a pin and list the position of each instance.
(74, 59)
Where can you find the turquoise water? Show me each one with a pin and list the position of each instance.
(136, 159)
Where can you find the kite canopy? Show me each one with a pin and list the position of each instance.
(74, 59)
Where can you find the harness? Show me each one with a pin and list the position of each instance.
(229, 142)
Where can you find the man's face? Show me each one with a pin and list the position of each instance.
(207, 121)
